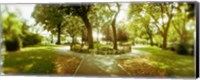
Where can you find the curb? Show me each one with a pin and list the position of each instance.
(120, 66)
(78, 67)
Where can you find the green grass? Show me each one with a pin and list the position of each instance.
(30, 60)
(176, 65)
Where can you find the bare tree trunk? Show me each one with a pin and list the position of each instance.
(51, 38)
(89, 31)
(165, 33)
(164, 46)
(82, 40)
(58, 34)
(114, 34)
(151, 40)
(72, 44)
(114, 28)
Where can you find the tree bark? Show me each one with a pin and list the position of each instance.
(89, 31)
(114, 28)
(165, 33)
(150, 34)
(164, 46)
(114, 34)
(82, 38)
(58, 34)
(73, 43)
(151, 40)
(51, 38)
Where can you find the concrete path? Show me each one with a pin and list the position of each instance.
(100, 65)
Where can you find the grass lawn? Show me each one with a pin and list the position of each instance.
(39, 60)
(160, 63)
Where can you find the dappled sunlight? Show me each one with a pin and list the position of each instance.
(139, 67)
(66, 65)
(174, 64)
(38, 48)
(115, 39)
(28, 67)
(30, 61)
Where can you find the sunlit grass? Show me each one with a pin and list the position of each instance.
(176, 65)
(31, 60)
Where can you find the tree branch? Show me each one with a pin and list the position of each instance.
(179, 32)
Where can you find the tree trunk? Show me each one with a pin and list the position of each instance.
(89, 31)
(165, 33)
(59, 33)
(114, 34)
(72, 44)
(51, 38)
(82, 38)
(164, 41)
(151, 40)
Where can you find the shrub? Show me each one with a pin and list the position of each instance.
(76, 47)
(31, 39)
(110, 51)
(13, 45)
(182, 48)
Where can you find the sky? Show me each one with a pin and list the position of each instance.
(25, 9)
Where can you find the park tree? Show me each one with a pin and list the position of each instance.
(82, 11)
(29, 38)
(12, 30)
(50, 17)
(73, 26)
(141, 20)
(162, 14)
(183, 17)
(99, 17)
(113, 23)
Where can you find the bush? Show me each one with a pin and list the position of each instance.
(76, 47)
(110, 51)
(13, 45)
(183, 48)
(31, 39)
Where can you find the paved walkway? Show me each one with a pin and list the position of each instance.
(100, 65)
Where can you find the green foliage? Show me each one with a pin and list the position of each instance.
(135, 8)
(100, 16)
(152, 18)
(12, 30)
(183, 23)
(49, 15)
(73, 26)
(11, 26)
(81, 11)
(31, 39)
